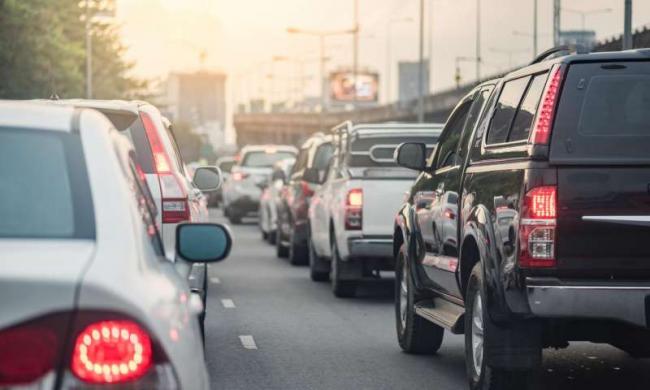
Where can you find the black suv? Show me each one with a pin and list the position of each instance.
(527, 226)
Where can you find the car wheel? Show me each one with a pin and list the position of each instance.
(233, 216)
(317, 266)
(297, 253)
(280, 250)
(481, 375)
(272, 237)
(265, 236)
(340, 288)
(415, 334)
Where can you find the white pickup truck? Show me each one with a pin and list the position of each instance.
(351, 214)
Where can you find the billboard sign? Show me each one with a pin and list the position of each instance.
(342, 86)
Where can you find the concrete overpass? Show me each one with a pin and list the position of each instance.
(292, 128)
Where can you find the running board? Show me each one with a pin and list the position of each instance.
(443, 313)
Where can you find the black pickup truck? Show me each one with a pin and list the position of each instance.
(529, 226)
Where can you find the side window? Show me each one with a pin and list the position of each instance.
(524, 118)
(505, 111)
(446, 149)
(323, 156)
(177, 152)
(472, 118)
(301, 161)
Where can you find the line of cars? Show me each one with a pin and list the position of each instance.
(102, 234)
(524, 228)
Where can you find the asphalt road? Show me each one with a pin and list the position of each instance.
(270, 327)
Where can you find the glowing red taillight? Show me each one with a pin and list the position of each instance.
(27, 353)
(111, 352)
(541, 133)
(306, 189)
(175, 205)
(537, 228)
(354, 209)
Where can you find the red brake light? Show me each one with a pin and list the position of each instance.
(306, 189)
(542, 130)
(239, 176)
(537, 228)
(160, 158)
(27, 353)
(354, 209)
(111, 352)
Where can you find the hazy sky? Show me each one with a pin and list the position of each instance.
(240, 35)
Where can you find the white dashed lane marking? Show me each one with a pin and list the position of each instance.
(248, 342)
(215, 280)
(228, 303)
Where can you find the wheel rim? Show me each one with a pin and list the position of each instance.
(403, 296)
(477, 333)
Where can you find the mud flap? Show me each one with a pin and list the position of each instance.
(513, 346)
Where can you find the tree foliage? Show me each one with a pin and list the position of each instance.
(42, 52)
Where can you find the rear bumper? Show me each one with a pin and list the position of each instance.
(554, 298)
(376, 247)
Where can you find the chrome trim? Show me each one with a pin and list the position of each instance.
(643, 220)
(537, 222)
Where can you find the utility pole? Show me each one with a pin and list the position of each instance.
(421, 67)
(556, 22)
(478, 41)
(627, 26)
(355, 61)
(89, 55)
(534, 28)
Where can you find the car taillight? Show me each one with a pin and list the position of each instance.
(306, 189)
(111, 352)
(239, 176)
(354, 209)
(537, 228)
(30, 351)
(542, 129)
(175, 205)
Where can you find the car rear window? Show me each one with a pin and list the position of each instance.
(323, 155)
(603, 114)
(378, 151)
(43, 186)
(264, 159)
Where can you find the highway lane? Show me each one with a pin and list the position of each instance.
(270, 327)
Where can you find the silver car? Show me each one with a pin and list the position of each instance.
(243, 190)
(88, 298)
(272, 197)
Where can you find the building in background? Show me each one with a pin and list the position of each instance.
(583, 38)
(408, 79)
(199, 99)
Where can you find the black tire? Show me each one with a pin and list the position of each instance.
(233, 217)
(265, 236)
(415, 334)
(280, 250)
(340, 288)
(316, 263)
(273, 237)
(489, 378)
(298, 254)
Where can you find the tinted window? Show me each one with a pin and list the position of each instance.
(526, 113)
(472, 118)
(323, 155)
(130, 125)
(505, 111)
(301, 161)
(43, 186)
(378, 151)
(446, 150)
(264, 159)
(604, 114)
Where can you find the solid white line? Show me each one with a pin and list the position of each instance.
(248, 342)
(215, 280)
(228, 303)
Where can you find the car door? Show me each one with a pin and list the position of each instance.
(319, 210)
(430, 201)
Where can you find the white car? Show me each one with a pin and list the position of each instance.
(243, 189)
(351, 214)
(272, 199)
(88, 298)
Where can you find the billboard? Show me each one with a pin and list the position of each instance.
(342, 86)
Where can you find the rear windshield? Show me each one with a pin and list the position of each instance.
(130, 125)
(378, 151)
(264, 159)
(604, 114)
(43, 186)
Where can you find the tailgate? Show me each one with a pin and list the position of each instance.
(604, 221)
(382, 199)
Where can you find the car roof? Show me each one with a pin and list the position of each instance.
(35, 115)
(132, 106)
(282, 148)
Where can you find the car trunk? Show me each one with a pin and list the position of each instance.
(600, 146)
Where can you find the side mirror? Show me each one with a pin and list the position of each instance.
(202, 242)
(312, 175)
(207, 179)
(411, 155)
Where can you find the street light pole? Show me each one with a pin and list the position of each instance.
(627, 26)
(478, 41)
(389, 72)
(355, 60)
(534, 28)
(89, 55)
(421, 67)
